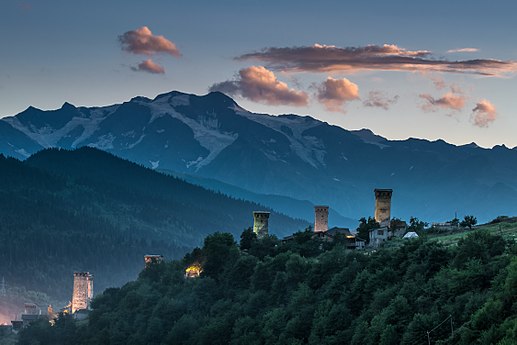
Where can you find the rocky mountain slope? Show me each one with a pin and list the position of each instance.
(212, 137)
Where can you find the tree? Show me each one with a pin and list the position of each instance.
(416, 225)
(469, 221)
(219, 249)
(247, 239)
(365, 225)
(455, 222)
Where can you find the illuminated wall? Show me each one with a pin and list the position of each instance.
(261, 223)
(83, 291)
(383, 206)
(321, 218)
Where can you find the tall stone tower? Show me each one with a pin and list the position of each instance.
(321, 218)
(83, 291)
(383, 206)
(261, 223)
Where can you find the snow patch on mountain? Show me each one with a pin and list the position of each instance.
(179, 100)
(91, 124)
(154, 164)
(130, 146)
(368, 137)
(309, 149)
(205, 130)
(49, 137)
(38, 135)
(104, 142)
(23, 153)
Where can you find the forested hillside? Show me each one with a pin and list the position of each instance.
(65, 211)
(305, 292)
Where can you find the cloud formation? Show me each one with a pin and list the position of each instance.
(484, 113)
(378, 100)
(463, 50)
(325, 58)
(142, 41)
(259, 84)
(449, 101)
(438, 82)
(149, 66)
(334, 93)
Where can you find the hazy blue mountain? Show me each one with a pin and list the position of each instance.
(299, 157)
(87, 210)
(300, 209)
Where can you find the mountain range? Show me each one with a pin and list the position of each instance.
(287, 162)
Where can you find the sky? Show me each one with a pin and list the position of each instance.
(434, 70)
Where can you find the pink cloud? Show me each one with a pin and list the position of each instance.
(149, 66)
(142, 41)
(450, 101)
(259, 84)
(378, 100)
(463, 50)
(438, 82)
(334, 93)
(327, 58)
(484, 113)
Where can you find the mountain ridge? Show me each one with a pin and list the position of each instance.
(300, 157)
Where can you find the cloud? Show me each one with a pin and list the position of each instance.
(449, 101)
(149, 66)
(142, 41)
(334, 93)
(378, 100)
(463, 50)
(259, 84)
(326, 58)
(484, 113)
(438, 82)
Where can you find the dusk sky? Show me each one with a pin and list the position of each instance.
(431, 70)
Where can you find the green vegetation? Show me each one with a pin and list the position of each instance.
(8, 339)
(469, 221)
(87, 210)
(309, 292)
(365, 225)
(506, 230)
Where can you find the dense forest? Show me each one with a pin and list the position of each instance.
(305, 291)
(87, 210)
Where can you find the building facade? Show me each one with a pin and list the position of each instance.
(378, 236)
(83, 291)
(383, 206)
(321, 218)
(261, 223)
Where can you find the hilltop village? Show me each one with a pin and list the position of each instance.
(82, 295)
(386, 229)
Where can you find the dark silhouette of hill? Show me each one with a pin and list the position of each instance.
(87, 210)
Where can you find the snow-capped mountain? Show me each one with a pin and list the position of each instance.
(212, 139)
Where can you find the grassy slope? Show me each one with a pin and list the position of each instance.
(507, 230)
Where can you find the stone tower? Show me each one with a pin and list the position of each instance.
(383, 206)
(83, 291)
(261, 223)
(321, 218)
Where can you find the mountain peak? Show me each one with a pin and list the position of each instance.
(140, 99)
(170, 94)
(67, 105)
